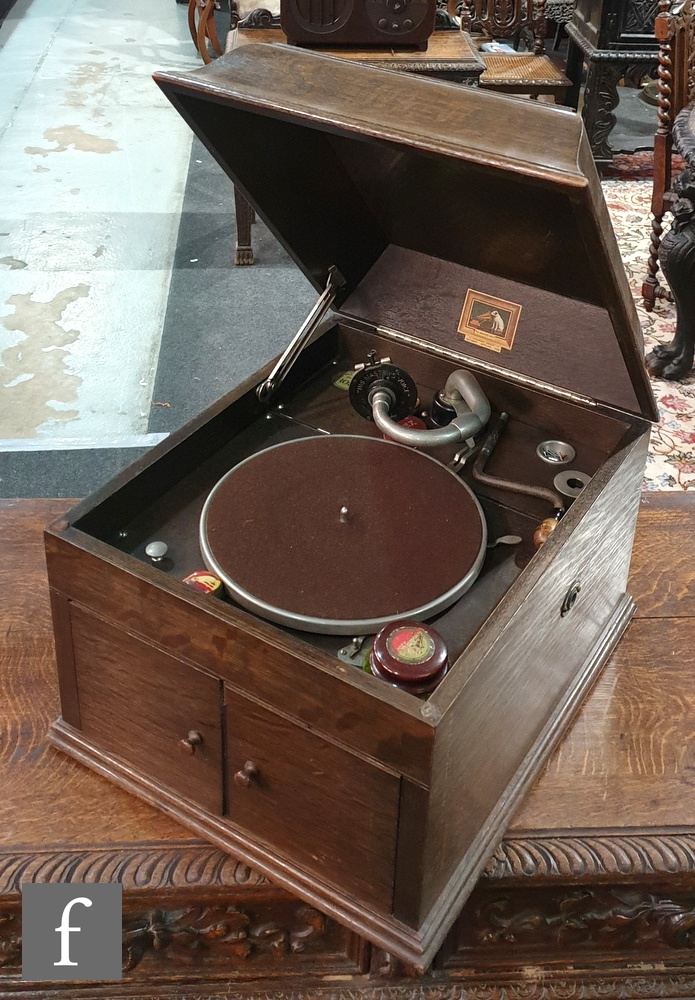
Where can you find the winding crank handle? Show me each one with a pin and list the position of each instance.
(548, 525)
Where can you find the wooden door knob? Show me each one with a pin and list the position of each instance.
(193, 740)
(248, 772)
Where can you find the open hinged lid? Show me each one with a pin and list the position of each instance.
(471, 223)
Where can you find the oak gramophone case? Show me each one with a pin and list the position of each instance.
(462, 239)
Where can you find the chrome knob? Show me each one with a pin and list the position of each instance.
(156, 551)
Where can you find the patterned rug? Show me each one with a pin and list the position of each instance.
(671, 463)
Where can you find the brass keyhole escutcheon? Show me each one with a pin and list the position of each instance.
(193, 740)
(246, 775)
(570, 598)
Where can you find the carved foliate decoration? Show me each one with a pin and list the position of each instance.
(504, 18)
(187, 934)
(10, 940)
(677, 259)
(227, 929)
(512, 988)
(640, 16)
(600, 100)
(689, 31)
(598, 919)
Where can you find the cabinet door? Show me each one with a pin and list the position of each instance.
(324, 808)
(141, 704)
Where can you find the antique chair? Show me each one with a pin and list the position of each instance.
(675, 29)
(560, 12)
(201, 24)
(532, 72)
(675, 252)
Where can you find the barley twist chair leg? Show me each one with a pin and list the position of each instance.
(652, 289)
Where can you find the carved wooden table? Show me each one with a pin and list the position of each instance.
(450, 55)
(591, 894)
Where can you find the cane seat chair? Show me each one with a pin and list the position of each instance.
(532, 72)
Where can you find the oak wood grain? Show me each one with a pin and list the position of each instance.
(146, 616)
(627, 763)
(140, 714)
(661, 576)
(291, 130)
(247, 652)
(51, 800)
(629, 760)
(534, 661)
(313, 801)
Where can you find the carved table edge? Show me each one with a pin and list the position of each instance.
(543, 855)
(589, 855)
(167, 865)
(604, 984)
(610, 55)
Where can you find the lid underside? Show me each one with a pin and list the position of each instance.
(347, 163)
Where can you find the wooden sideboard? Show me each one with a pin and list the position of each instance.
(591, 894)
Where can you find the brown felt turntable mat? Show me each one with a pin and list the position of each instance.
(413, 534)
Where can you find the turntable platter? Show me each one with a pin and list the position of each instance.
(341, 534)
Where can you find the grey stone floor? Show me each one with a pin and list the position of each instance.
(222, 323)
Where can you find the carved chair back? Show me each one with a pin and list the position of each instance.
(505, 19)
(674, 27)
(675, 30)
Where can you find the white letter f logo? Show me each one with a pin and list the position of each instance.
(65, 929)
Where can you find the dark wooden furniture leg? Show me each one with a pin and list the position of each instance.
(663, 146)
(573, 69)
(677, 259)
(600, 100)
(243, 253)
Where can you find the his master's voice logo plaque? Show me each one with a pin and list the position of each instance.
(71, 931)
(488, 321)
